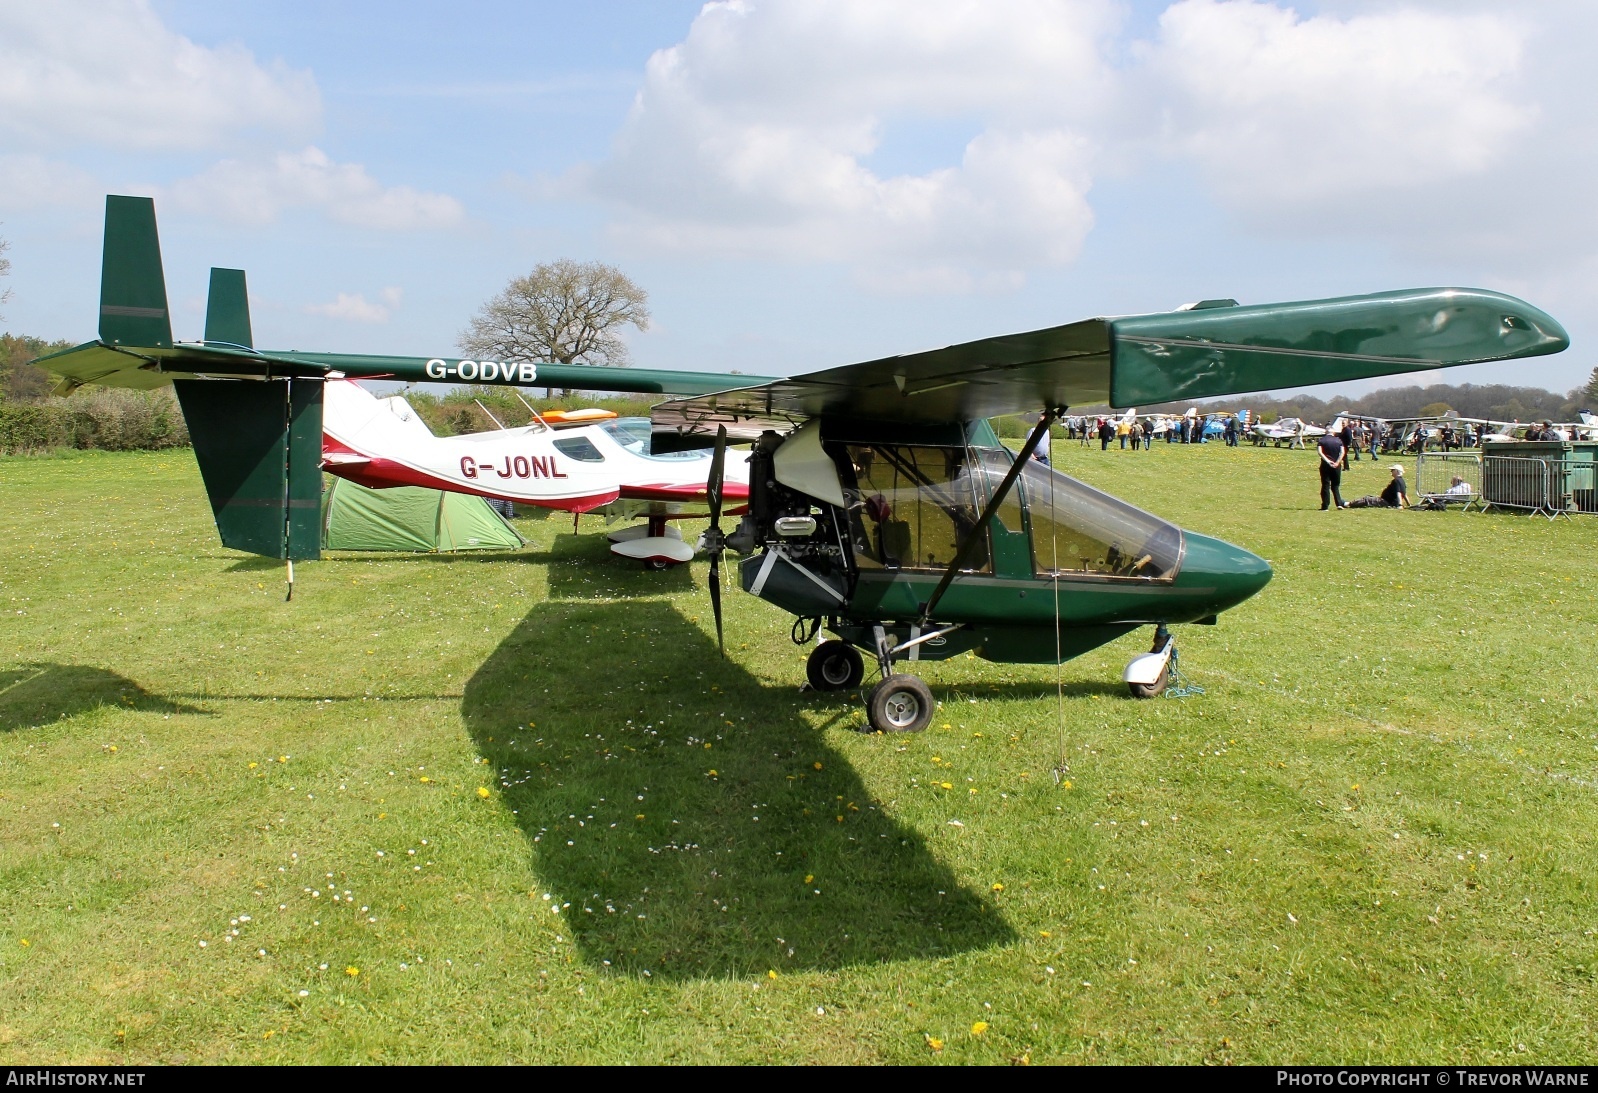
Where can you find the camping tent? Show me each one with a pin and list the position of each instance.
(410, 518)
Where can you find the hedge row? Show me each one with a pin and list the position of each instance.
(104, 418)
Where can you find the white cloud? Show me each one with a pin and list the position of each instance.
(755, 136)
(354, 307)
(1285, 112)
(257, 192)
(108, 72)
(762, 134)
(31, 181)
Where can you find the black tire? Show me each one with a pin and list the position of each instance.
(1155, 689)
(835, 666)
(900, 704)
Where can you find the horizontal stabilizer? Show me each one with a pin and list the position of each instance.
(133, 307)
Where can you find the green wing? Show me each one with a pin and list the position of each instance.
(1213, 349)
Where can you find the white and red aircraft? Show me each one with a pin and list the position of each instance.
(578, 461)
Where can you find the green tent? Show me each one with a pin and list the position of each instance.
(410, 518)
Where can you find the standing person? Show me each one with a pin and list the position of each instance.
(1105, 433)
(1346, 435)
(1148, 434)
(1231, 432)
(1135, 434)
(1330, 450)
(1121, 431)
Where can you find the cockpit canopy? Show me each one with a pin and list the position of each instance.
(910, 506)
(632, 433)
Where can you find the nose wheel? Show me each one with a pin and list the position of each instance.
(1149, 673)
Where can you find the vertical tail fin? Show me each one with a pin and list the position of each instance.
(227, 309)
(133, 307)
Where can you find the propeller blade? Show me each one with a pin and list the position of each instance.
(714, 545)
(718, 467)
(715, 598)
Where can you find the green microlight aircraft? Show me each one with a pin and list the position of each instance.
(882, 505)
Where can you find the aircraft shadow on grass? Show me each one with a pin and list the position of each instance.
(596, 717)
(33, 695)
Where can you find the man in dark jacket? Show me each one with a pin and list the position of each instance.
(1330, 450)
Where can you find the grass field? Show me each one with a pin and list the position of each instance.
(445, 809)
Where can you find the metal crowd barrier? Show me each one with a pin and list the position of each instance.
(1434, 479)
(1537, 486)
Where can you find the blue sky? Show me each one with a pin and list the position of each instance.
(802, 183)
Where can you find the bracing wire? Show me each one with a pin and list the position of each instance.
(1059, 669)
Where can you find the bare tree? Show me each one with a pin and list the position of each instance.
(5, 271)
(564, 312)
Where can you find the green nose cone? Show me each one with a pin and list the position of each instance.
(1220, 575)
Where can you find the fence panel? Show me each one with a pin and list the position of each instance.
(1435, 475)
(1515, 482)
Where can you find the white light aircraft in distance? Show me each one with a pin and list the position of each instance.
(577, 461)
(1286, 429)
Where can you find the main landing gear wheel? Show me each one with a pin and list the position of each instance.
(900, 704)
(835, 666)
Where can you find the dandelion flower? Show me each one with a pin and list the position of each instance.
(352, 971)
(771, 974)
(24, 943)
(934, 1043)
(482, 791)
(817, 766)
(809, 877)
(979, 1028)
(998, 887)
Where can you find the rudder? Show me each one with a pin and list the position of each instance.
(259, 446)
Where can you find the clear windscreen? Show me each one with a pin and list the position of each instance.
(1077, 529)
(632, 433)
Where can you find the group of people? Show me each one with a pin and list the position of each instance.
(1333, 452)
(1140, 432)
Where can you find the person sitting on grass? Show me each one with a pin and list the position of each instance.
(1458, 487)
(1395, 496)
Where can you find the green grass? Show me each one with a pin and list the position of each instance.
(1369, 841)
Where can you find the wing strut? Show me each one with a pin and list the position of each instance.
(975, 534)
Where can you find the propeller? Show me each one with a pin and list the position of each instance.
(715, 541)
